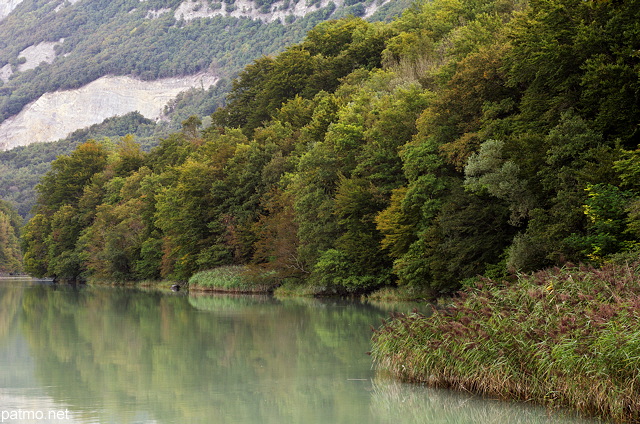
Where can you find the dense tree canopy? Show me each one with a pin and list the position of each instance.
(10, 254)
(463, 138)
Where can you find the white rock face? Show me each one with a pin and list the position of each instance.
(153, 14)
(54, 115)
(6, 6)
(35, 55)
(5, 72)
(65, 4)
(195, 9)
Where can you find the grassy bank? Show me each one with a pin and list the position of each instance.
(144, 284)
(233, 279)
(564, 337)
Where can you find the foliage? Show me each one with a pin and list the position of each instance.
(22, 168)
(542, 338)
(330, 51)
(460, 139)
(10, 254)
(607, 212)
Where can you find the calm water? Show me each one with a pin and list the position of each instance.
(107, 355)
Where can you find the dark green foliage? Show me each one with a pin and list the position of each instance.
(576, 54)
(10, 253)
(51, 237)
(22, 168)
(334, 273)
(470, 233)
(420, 153)
(331, 51)
(357, 202)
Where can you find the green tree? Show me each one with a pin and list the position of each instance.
(276, 247)
(186, 210)
(63, 258)
(415, 208)
(468, 237)
(130, 156)
(607, 209)
(50, 239)
(112, 245)
(490, 172)
(65, 182)
(357, 202)
(10, 253)
(34, 245)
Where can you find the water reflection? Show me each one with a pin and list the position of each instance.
(125, 356)
(418, 404)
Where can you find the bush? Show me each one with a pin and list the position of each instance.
(334, 273)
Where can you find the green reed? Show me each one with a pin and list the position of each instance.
(233, 278)
(565, 337)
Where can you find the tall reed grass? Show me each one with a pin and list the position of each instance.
(565, 337)
(234, 279)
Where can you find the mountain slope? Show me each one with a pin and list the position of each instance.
(47, 46)
(54, 115)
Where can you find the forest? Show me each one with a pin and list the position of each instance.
(464, 138)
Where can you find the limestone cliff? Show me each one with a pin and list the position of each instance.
(278, 11)
(54, 115)
(6, 6)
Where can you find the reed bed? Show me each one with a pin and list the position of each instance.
(233, 279)
(565, 337)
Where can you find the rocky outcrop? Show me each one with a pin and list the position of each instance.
(280, 10)
(54, 115)
(5, 72)
(35, 55)
(32, 57)
(6, 6)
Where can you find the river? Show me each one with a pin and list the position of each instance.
(112, 355)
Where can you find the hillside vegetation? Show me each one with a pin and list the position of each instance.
(464, 138)
(85, 40)
(22, 168)
(89, 39)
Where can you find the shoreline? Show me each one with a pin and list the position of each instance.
(561, 338)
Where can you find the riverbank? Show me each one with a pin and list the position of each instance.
(247, 279)
(242, 279)
(563, 338)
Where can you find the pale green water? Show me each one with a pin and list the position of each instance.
(107, 355)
